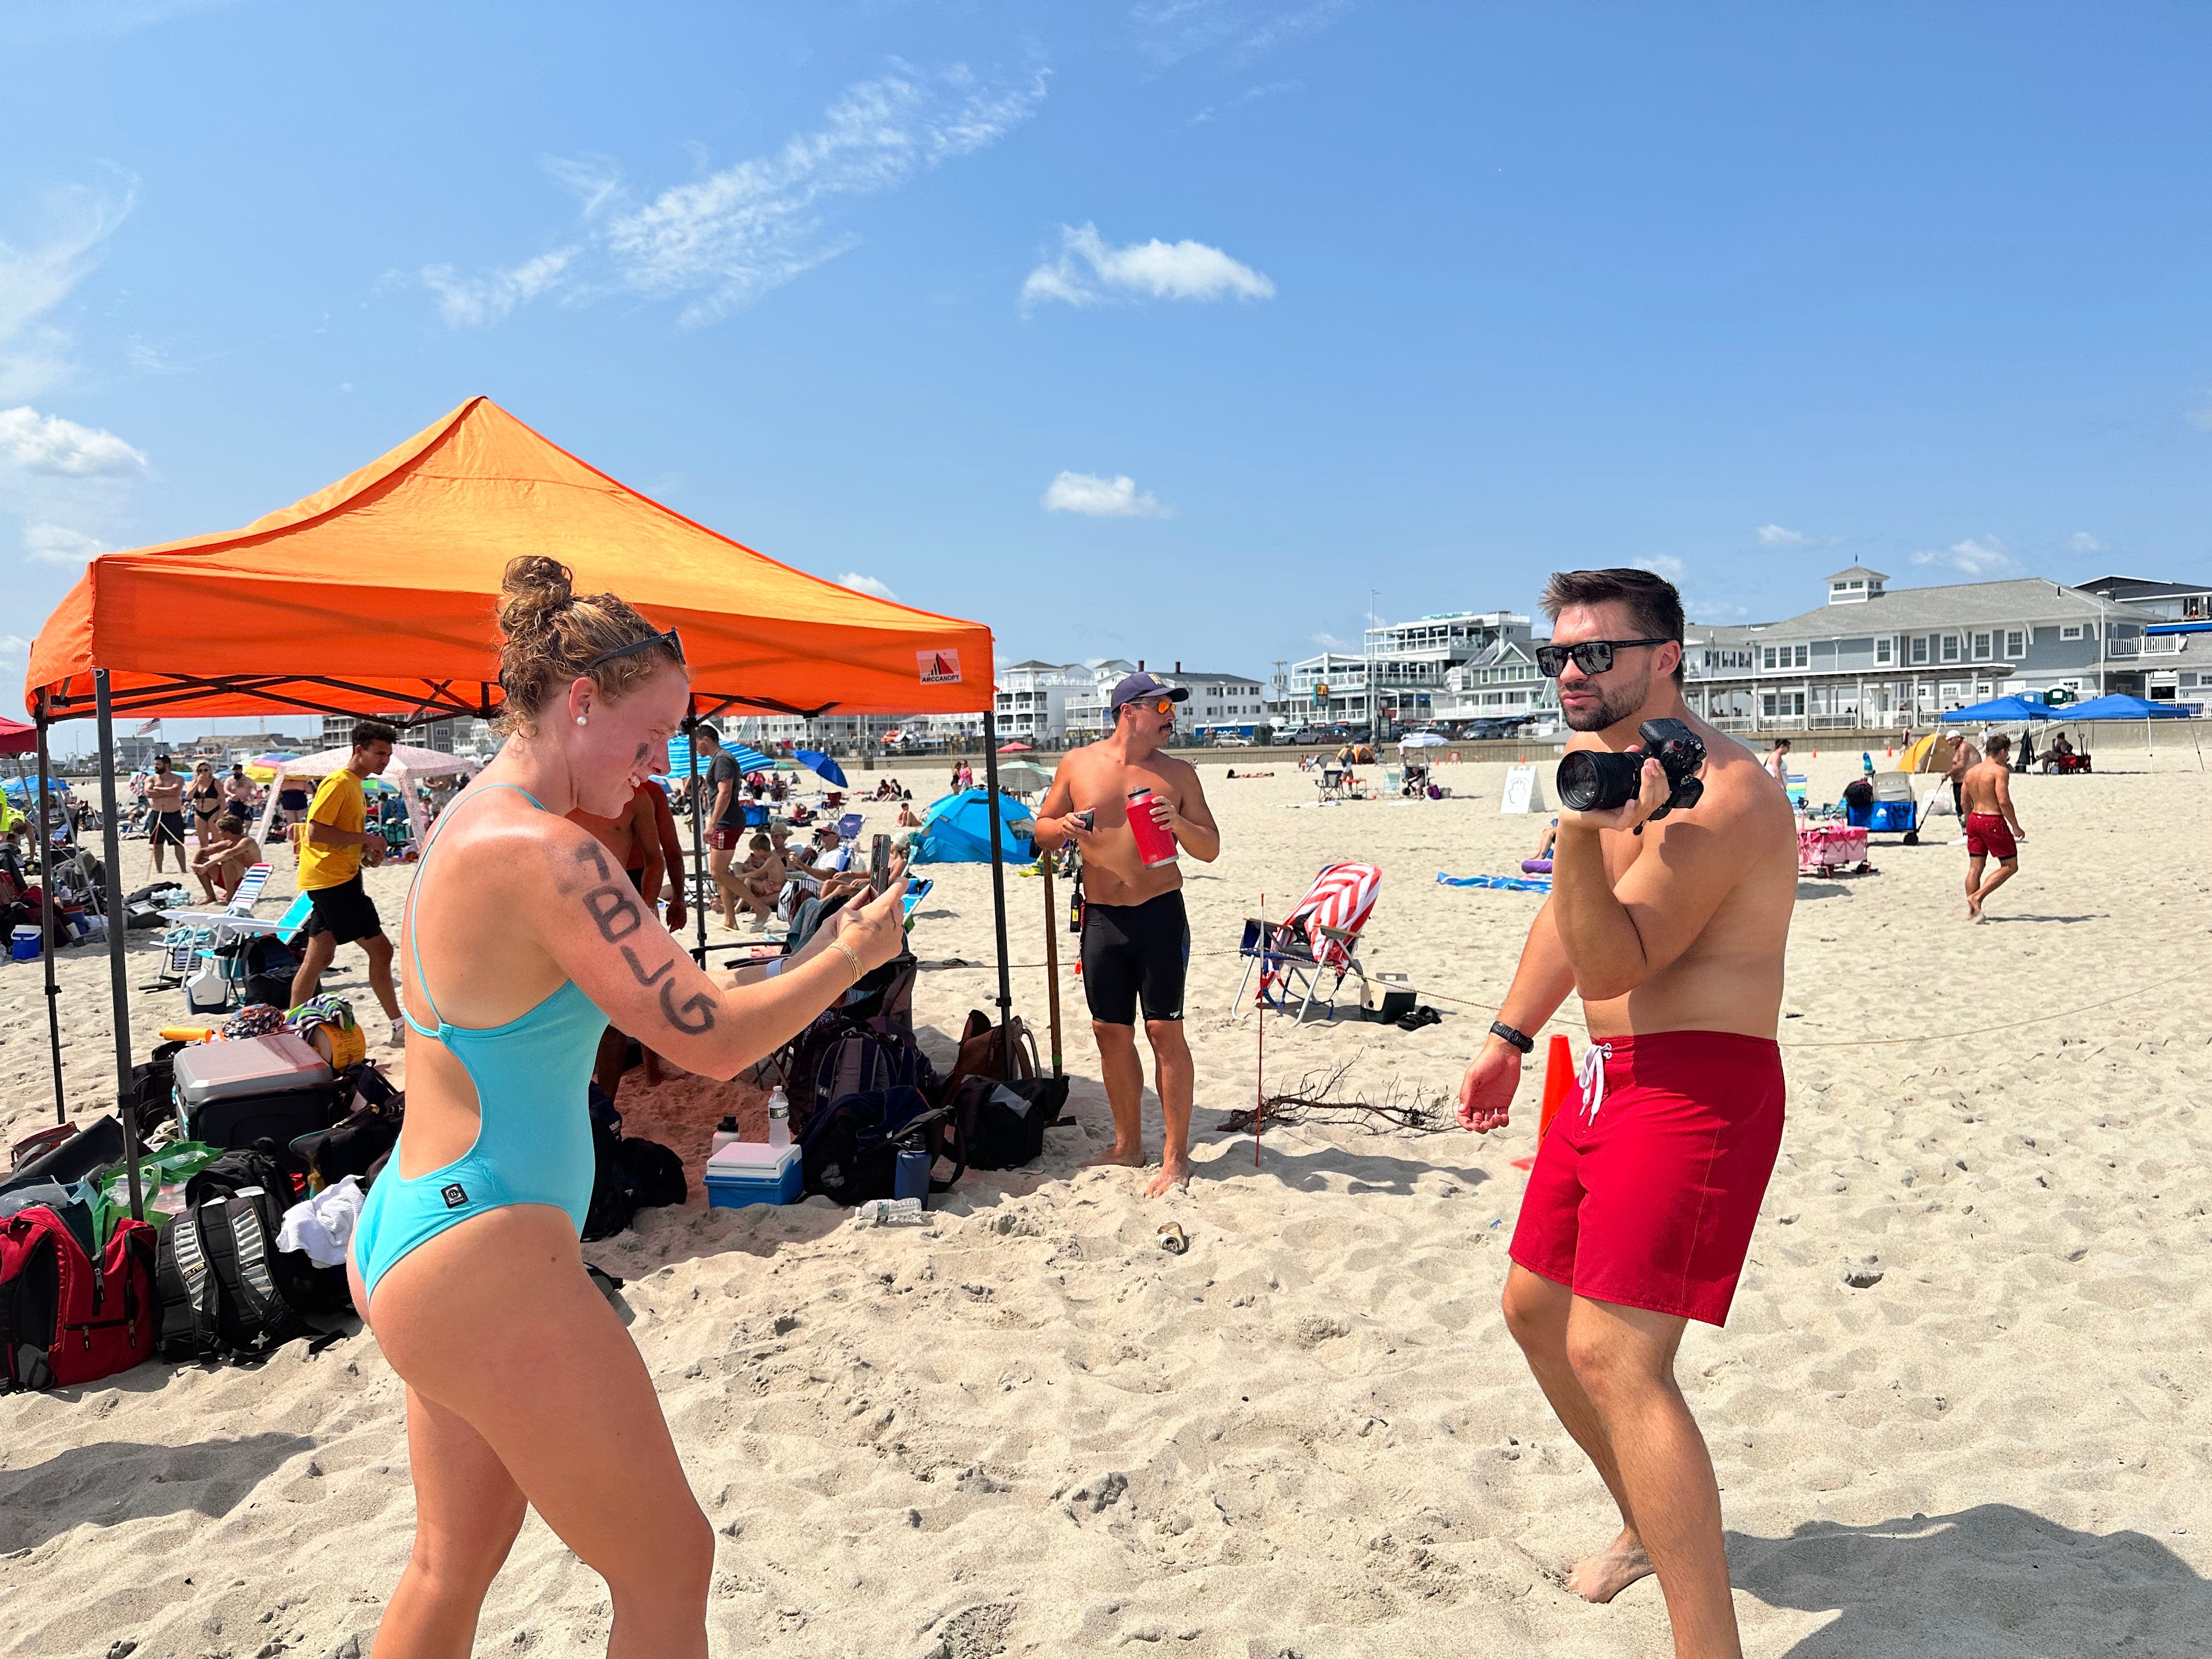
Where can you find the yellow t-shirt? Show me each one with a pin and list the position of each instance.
(339, 802)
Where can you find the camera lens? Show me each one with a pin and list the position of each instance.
(1597, 779)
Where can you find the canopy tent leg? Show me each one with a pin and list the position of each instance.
(46, 911)
(1051, 961)
(118, 973)
(697, 897)
(999, 885)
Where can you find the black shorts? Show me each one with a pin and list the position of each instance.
(1132, 955)
(345, 912)
(168, 827)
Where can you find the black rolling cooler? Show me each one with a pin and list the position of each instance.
(232, 1094)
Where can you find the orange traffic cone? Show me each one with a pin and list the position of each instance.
(1559, 1078)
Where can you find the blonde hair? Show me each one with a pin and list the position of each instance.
(552, 632)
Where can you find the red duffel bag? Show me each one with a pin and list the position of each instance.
(65, 1318)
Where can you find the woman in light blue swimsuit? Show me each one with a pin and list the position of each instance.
(522, 941)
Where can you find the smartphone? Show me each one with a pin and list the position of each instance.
(1088, 817)
(879, 863)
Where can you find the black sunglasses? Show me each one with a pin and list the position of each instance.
(1591, 656)
(670, 639)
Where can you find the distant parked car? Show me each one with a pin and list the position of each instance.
(1508, 725)
(1230, 740)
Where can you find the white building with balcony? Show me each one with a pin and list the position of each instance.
(1414, 665)
(1874, 658)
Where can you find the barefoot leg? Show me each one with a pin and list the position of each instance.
(1124, 1077)
(1624, 1360)
(1175, 1078)
(1536, 1312)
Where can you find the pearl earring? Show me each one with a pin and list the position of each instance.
(579, 719)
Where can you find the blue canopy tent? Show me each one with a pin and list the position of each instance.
(24, 788)
(2116, 706)
(958, 830)
(821, 766)
(2004, 711)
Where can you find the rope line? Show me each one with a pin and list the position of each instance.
(1847, 1042)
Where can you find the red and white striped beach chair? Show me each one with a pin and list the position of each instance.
(1321, 935)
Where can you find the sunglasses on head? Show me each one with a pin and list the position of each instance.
(1591, 656)
(670, 639)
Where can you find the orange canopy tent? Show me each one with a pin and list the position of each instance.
(376, 595)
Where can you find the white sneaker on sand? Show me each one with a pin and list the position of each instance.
(397, 1036)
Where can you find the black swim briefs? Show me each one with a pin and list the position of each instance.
(1135, 954)
(345, 912)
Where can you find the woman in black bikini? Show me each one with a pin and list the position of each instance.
(205, 799)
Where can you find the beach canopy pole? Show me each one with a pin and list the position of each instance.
(118, 972)
(46, 920)
(998, 886)
(1051, 959)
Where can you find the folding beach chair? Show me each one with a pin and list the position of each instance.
(194, 941)
(1321, 935)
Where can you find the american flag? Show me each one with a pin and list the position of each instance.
(148, 728)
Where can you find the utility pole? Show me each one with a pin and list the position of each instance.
(1374, 725)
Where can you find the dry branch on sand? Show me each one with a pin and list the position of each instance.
(1410, 1111)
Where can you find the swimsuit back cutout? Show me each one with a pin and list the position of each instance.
(533, 1142)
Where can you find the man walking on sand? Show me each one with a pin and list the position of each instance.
(1992, 827)
(333, 845)
(1639, 1210)
(725, 821)
(1136, 938)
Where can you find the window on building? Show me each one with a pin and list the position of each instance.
(1919, 652)
(1769, 658)
(2070, 631)
(1803, 655)
(1950, 647)
(1881, 651)
(2015, 643)
(1981, 647)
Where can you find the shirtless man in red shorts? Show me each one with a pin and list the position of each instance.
(1639, 1210)
(1992, 827)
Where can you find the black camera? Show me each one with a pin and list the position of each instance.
(1598, 780)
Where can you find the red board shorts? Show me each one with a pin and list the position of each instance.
(1648, 1198)
(1987, 835)
(723, 838)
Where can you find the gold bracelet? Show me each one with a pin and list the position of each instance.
(851, 956)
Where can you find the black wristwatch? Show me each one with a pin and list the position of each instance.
(1519, 1040)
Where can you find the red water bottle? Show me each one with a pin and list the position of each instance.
(1156, 844)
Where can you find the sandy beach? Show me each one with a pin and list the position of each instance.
(1025, 1428)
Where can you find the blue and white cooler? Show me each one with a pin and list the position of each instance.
(753, 1172)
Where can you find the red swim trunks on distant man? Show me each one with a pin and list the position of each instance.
(1672, 891)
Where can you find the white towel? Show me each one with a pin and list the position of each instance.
(323, 1225)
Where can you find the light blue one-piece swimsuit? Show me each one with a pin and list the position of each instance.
(533, 1142)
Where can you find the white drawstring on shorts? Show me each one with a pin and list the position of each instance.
(1592, 1078)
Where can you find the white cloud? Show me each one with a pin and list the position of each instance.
(1662, 564)
(1250, 95)
(13, 645)
(1153, 270)
(49, 443)
(2200, 418)
(53, 544)
(36, 277)
(1168, 31)
(480, 301)
(2082, 541)
(1102, 498)
(723, 240)
(1330, 642)
(860, 584)
(1773, 535)
(1985, 557)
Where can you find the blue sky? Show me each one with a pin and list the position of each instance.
(1163, 329)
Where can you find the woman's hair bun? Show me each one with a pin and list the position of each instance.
(535, 587)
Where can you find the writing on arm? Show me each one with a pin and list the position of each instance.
(616, 913)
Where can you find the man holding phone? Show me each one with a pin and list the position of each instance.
(1136, 936)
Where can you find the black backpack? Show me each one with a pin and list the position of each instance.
(627, 1175)
(226, 1291)
(840, 1055)
(1000, 1125)
(358, 1142)
(850, 1152)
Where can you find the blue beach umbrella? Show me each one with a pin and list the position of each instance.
(821, 766)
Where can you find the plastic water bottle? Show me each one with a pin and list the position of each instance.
(778, 1119)
(726, 1134)
(891, 1213)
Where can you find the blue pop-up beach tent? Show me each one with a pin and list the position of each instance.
(958, 830)
(2119, 706)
